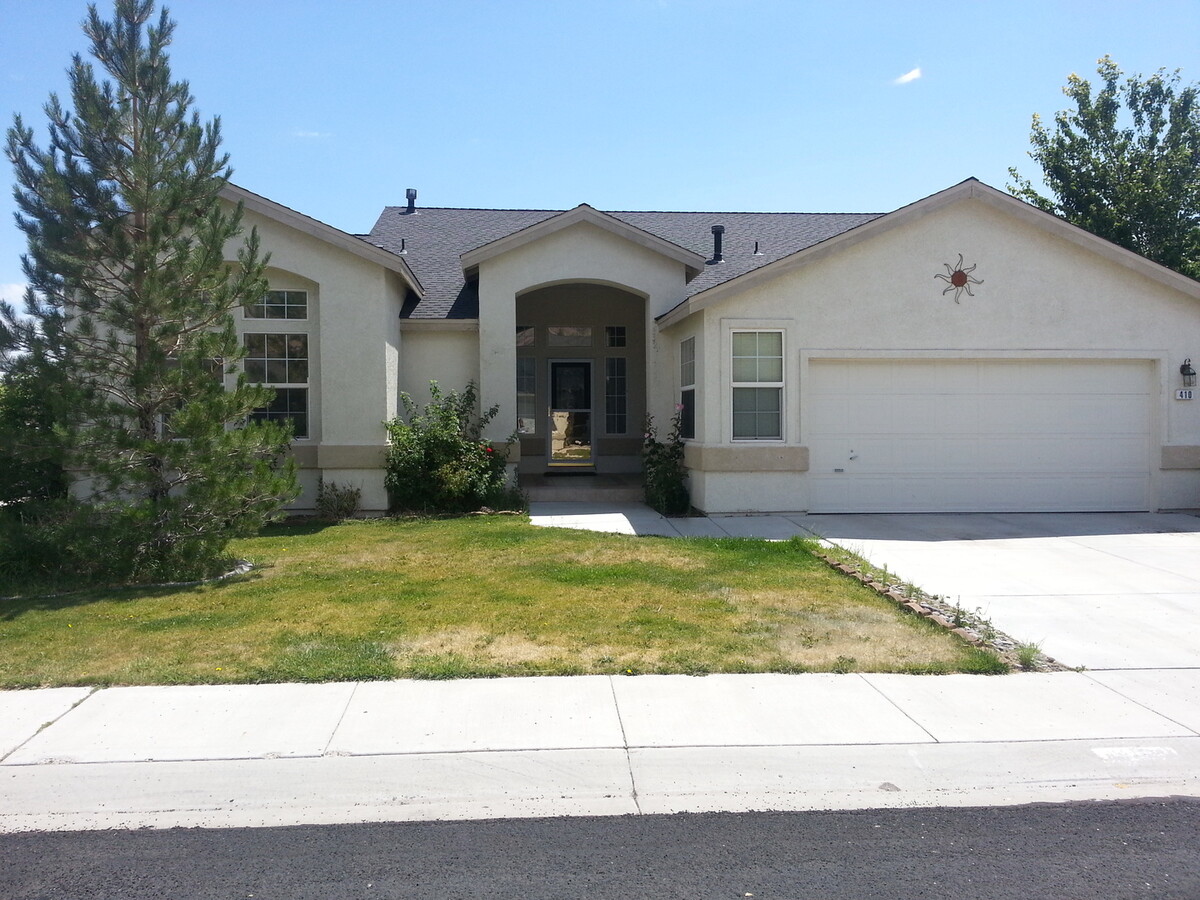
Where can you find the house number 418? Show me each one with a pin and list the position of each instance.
(1183, 395)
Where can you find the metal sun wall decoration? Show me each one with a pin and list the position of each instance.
(959, 279)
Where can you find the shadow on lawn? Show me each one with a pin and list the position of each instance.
(12, 608)
(63, 593)
(66, 597)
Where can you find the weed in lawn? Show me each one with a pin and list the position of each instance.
(980, 661)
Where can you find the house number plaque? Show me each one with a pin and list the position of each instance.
(1185, 394)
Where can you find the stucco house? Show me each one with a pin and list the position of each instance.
(966, 352)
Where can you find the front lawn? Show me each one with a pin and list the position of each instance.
(477, 596)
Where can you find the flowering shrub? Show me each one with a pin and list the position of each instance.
(663, 472)
(438, 460)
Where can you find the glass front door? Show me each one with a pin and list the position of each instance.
(570, 427)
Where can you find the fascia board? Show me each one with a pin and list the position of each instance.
(327, 233)
(970, 189)
(1082, 238)
(693, 262)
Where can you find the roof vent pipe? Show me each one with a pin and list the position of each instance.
(717, 231)
(411, 196)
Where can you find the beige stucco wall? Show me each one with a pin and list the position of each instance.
(447, 353)
(354, 350)
(1041, 297)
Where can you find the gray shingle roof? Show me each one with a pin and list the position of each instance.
(432, 240)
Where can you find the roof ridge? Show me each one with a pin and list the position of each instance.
(654, 212)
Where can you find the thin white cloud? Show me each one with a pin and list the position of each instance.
(311, 135)
(912, 75)
(13, 293)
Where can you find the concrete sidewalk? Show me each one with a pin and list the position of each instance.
(257, 755)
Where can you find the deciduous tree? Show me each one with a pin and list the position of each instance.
(1125, 164)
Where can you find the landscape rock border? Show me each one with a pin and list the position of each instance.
(972, 627)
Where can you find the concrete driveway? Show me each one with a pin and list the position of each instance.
(1101, 590)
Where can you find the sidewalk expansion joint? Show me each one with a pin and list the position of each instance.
(1134, 700)
(633, 792)
(341, 718)
(46, 725)
(900, 709)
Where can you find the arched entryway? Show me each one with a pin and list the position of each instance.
(581, 378)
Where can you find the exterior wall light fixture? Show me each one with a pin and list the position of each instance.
(1188, 373)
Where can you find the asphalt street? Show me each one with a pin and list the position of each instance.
(1131, 849)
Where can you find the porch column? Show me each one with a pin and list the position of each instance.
(497, 349)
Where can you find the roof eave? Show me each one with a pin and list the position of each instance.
(693, 263)
(971, 188)
(327, 233)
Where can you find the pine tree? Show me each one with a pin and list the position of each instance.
(130, 303)
(1125, 164)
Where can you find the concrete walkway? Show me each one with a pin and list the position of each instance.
(257, 755)
(260, 755)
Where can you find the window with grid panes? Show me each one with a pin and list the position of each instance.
(687, 388)
(280, 361)
(616, 401)
(280, 305)
(757, 375)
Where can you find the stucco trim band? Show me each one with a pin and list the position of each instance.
(351, 456)
(439, 325)
(1181, 457)
(745, 459)
(306, 456)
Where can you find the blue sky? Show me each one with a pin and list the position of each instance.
(334, 108)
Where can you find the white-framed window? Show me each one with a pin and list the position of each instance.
(526, 335)
(615, 336)
(616, 396)
(526, 395)
(757, 385)
(569, 336)
(687, 388)
(280, 361)
(280, 305)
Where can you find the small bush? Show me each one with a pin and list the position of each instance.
(438, 460)
(337, 501)
(663, 472)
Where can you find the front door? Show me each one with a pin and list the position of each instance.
(570, 427)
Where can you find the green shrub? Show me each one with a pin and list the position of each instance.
(337, 501)
(30, 458)
(663, 472)
(438, 460)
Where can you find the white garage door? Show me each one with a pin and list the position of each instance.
(978, 435)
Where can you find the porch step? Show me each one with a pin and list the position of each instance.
(582, 488)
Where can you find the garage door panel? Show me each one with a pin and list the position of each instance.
(958, 494)
(977, 435)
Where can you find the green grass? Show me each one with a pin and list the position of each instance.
(476, 597)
